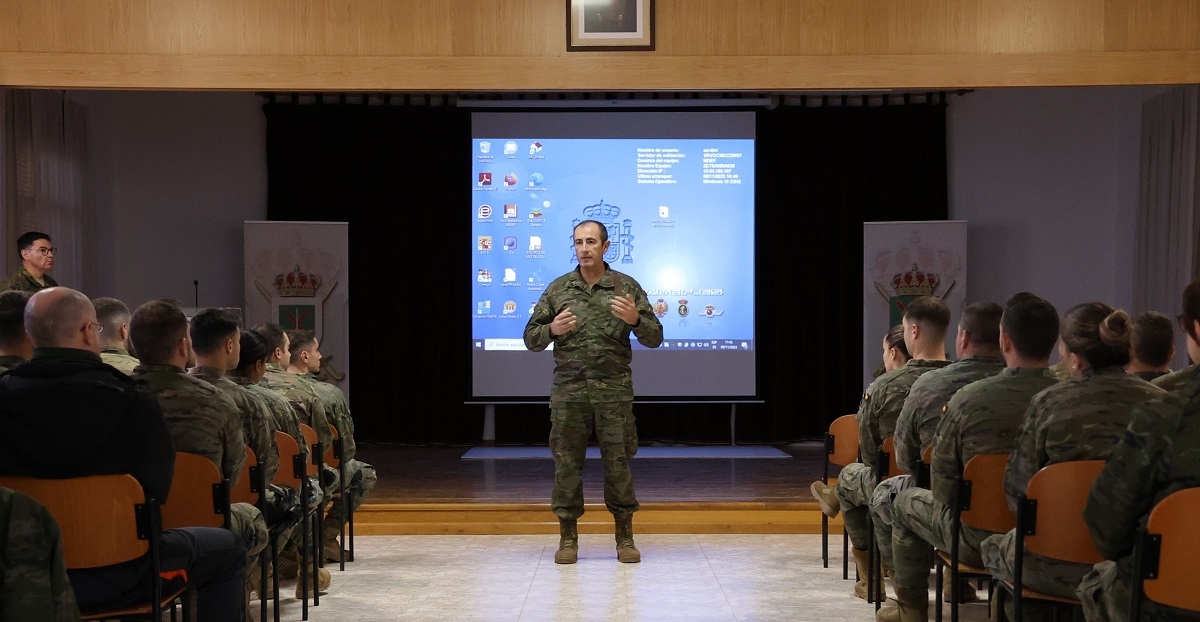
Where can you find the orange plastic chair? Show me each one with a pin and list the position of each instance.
(841, 448)
(246, 491)
(105, 520)
(1164, 556)
(313, 469)
(923, 475)
(886, 466)
(333, 457)
(296, 477)
(1050, 524)
(981, 503)
(199, 494)
(249, 490)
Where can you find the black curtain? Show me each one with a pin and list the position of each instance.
(396, 174)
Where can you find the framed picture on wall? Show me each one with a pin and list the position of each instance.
(600, 25)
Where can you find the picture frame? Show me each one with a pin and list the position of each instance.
(610, 25)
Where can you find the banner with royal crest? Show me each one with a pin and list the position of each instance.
(297, 276)
(903, 261)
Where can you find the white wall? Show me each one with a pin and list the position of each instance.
(172, 177)
(1047, 180)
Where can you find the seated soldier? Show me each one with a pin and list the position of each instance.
(15, 346)
(1156, 457)
(925, 321)
(1151, 346)
(114, 339)
(982, 418)
(1077, 419)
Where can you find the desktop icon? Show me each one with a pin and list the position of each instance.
(510, 179)
(485, 179)
(510, 210)
(485, 275)
(664, 211)
(536, 179)
(535, 212)
(510, 275)
(485, 211)
(510, 147)
(485, 242)
(535, 242)
(483, 307)
(510, 242)
(510, 306)
(485, 146)
(535, 148)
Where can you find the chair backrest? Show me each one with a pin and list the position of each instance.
(889, 448)
(986, 506)
(1171, 519)
(199, 494)
(311, 439)
(97, 516)
(842, 440)
(333, 454)
(289, 450)
(245, 491)
(1060, 492)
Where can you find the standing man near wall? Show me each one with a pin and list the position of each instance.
(37, 260)
(588, 315)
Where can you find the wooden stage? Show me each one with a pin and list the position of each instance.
(432, 490)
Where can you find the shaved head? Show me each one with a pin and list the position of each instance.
(55, 316)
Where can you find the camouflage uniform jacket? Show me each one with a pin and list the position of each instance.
(591, 362)
(33, 578)
(927, 401)
(1077, 419)
(1158, 455)
(984, 417)
(1060, 370)
(202, 420)
(881, 405)
(1149, 376)
(1175, 379)
(306, 403)
(338, 411)
(119, 358)
(22, 280)
(10, 361)
(281, 411)
(257, 426)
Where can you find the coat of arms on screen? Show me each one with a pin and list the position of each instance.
(297, 306)
(620, 232)
(906, 273)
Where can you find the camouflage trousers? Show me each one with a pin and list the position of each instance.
(1106, 590)
(1051, 576)
(33, 576)
(918, 523)
(881, 513)
(247, 521)
(360, 481)
(571, 424)
(854, 489)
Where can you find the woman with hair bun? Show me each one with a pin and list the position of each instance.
(1081, 418)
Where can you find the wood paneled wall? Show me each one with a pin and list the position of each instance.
(519, 45)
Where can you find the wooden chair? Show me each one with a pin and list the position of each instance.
(1165, 553)
(250, 489)
(199, 495)
(333, 457)
(886, 466)
(1056, 495)
(923, 474)
(105, 520)
(979, 502)
(841, 448)
(297, 477)
(313, 470)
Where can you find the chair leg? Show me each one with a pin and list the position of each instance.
(317, 555)
(350, 523)
(274, 540)
(303, 566)
(846, 554)
(824, 541)
(937, 590)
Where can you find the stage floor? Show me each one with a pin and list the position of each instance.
(429, 475)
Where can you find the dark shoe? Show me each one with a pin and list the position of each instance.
(627, 553)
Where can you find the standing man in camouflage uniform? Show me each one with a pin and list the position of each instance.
(925, 322)
(982, 418)
(15, 346)
(1152, 346)
(114, 339)
(588, 315)
(37, 260)
(305, 362)
(1077, 419)
(977, 344)
(1157, 456)
(200, 417)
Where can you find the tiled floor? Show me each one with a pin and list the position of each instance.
(514, 579)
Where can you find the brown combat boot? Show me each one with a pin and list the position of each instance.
(627, 553)
(861, 562)
(967, 594)
(908, 608)
(568, 542)
(826, 498)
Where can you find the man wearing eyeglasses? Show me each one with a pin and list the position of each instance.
(37, 260)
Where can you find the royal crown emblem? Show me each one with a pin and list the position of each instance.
(601, 210)
(297, 284)
(915, 282)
